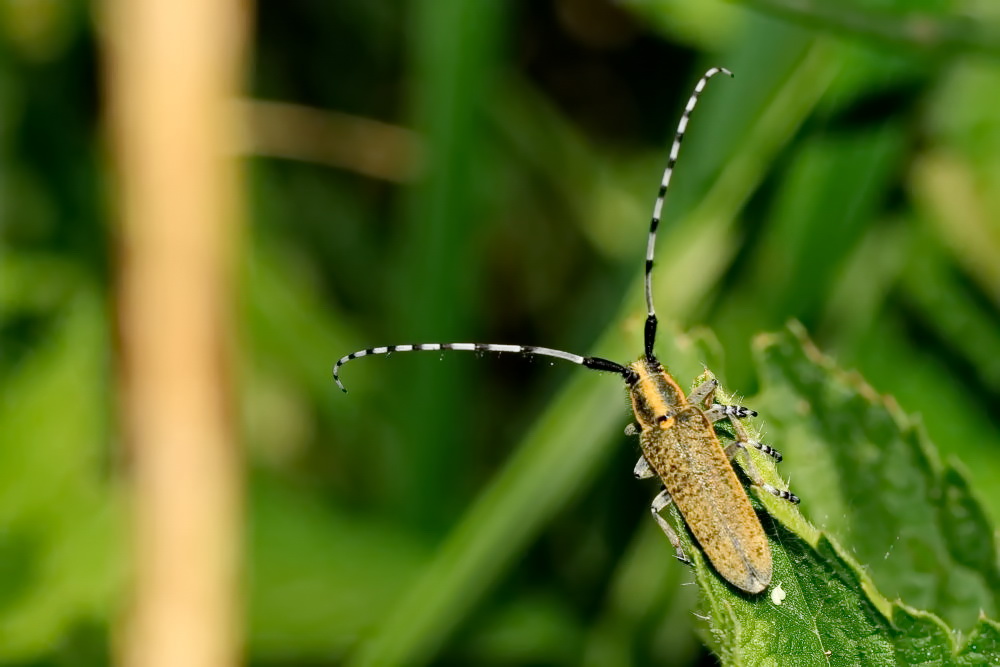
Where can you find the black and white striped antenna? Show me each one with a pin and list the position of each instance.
(594, 363)
(675, 149)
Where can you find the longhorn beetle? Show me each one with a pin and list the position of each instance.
(679, 444)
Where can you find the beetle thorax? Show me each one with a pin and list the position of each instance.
(655, 395)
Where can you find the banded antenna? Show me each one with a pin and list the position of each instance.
(675, 149)
(594, 363)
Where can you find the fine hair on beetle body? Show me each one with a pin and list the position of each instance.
(676, 431)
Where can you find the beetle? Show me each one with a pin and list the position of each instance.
(676, 431)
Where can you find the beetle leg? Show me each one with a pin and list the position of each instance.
(719, 411)
(661, 502)
(701, 395)
(755, 476)
(743, 437)
(642, 469)
(767, 449)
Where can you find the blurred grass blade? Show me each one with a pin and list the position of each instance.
(454, 50)
(538, 480)
(924, 30)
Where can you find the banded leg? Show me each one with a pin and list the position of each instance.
(767, 449)
(734, 412)
(661, 502)
(593, 363)
(702, 396)
(743, 436)
(733, 449)
(743, 441)
(719, 411)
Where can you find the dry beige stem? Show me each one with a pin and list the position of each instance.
(172, 68)
(368, 147)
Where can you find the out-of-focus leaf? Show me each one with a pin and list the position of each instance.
(933, 286)
(292, 329)
(963, 213)
(915, 26)
(319, 577)
(534, 629)
(59, 516)
(708, 24)
(929, 387)
(22, 291)
(39, 30)
(828, 187)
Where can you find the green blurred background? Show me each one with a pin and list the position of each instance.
(848, 177)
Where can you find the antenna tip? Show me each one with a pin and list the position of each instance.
(712, 71)
(336, 378)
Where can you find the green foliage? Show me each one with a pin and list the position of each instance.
(60, 520)
(911, 520)
(482, 511)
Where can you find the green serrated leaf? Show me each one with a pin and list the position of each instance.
(875, 482)
(982, 647)
(966, 527)
(815, 612)
(823, 607)
(921, 638)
